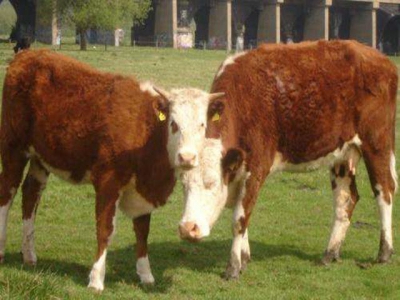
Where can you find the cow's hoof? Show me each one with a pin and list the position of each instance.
(329, 257)
(232, 272)
(385, 252)
(384, 256)
(29, 258)
(97, 287)
(245, 259)
(147, 280)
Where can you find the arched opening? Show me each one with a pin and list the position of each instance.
(298, 28)
(339, 26)
(292, 23)
(201, 18)
(251, 28)
(390, 36)
(143, 34)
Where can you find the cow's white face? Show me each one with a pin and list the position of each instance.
(207, 187)
(187, 121)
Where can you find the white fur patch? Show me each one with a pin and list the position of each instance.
(229, 61)
(237, 215)
(132, 203)
(144, 271)
(3, 225)
(3, 221)
(28, 240)
(188, 110)
(236, 251)
(338, 155)
(341, 221)
(393, 170)
(147, 86)
(98, 272)
(245, 243)
(205, 193)
(385, 211)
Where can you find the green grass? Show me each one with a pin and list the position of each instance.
(288, 233)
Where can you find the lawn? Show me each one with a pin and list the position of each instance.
(288, 233)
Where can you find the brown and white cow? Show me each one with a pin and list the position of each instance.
(298, 107)
(66, 118)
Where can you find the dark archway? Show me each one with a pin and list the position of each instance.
(340, 22)
(388, 39)
(298, 28)
(143, 34)
(390, 36)
(251, 29)
(292, 23)
(201, 18)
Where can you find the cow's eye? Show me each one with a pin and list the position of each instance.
(202, 125)
(174, 127)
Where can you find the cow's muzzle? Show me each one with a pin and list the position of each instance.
(187, 160)
(190, 231)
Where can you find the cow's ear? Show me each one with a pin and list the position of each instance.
(232, 161)
(216, 106)
(161, 104)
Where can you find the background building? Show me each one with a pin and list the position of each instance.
(228, 23)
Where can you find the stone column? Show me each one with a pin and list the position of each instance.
(269, 22)
(363, 23)
(220, 25)
(316, 24)
(166, 19)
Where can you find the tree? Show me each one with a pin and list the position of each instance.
(101, 14)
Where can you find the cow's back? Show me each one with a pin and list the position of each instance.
(287, 97)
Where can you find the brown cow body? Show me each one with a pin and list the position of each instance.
(85, 126)
(296, 107)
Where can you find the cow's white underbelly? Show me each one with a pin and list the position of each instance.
(132, 203)
(350, 149)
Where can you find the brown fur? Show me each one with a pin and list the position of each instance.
(78, 119)
(305, 100)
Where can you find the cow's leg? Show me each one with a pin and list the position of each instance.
(13, 163)
(345, 198)
(242, 211)
(245, 252)
(141, 226)
(34, 183)
(382, 173)
(107, 195)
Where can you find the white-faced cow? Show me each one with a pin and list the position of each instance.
(298, 107)
(66, 118)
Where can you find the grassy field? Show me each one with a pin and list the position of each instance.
(289, 231)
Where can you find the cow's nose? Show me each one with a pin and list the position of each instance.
(190, 231)
(187, 159)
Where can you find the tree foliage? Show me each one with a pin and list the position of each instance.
(100, 14)
(105, 14)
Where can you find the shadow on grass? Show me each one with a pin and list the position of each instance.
(206, 257)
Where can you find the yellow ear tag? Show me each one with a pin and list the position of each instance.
(161, 116)
(216, 117)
